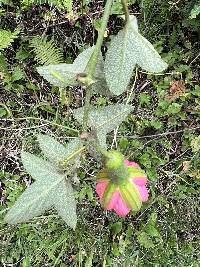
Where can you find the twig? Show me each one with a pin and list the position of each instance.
(162, 134)
(115, 138)
(194, 59)
(22, 129)
(42, 120)
(161, 74)
(133, 87)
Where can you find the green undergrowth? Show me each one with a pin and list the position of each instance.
(162, 135)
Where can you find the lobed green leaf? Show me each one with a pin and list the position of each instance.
(63, 75)
(51, 188)
(126, 50)
(55, 151)
(104, 120)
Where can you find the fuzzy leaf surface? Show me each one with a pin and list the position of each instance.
(101, 137)
(82, 59)
(104, 120)
(37, 167)
(55, 151)
(126, 50)
(63, 75)
(120, 62)
(50, 190)
(65, 204)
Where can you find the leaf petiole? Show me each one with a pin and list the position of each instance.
(64, 162)
(126, 11)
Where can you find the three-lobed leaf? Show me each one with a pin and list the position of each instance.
(105, 119)
(126, 50)
(52, 189)
(47, 192)
(63, 75)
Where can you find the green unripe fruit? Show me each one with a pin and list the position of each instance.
(114, 160)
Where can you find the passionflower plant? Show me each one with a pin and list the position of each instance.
(121, 186)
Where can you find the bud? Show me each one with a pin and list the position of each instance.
(114, 159)
(126, 195)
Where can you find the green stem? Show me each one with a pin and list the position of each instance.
(98, 148)
(87, 107)
(126, 11)
(91, 67)
(64, 162)
(93, 61)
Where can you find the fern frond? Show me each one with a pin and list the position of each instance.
(45, 51)
(7, 37)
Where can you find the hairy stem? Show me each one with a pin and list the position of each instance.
(87, 107)
(93, 61)
(91, 67)
(98, 148)
(126, 11)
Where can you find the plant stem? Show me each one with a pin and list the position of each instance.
(91, 67)
(126, 11)
(98, 148)
(87, 107)
(64, 162)
(42, 120)
(93, 61)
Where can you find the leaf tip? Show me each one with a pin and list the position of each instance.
(8, 218)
